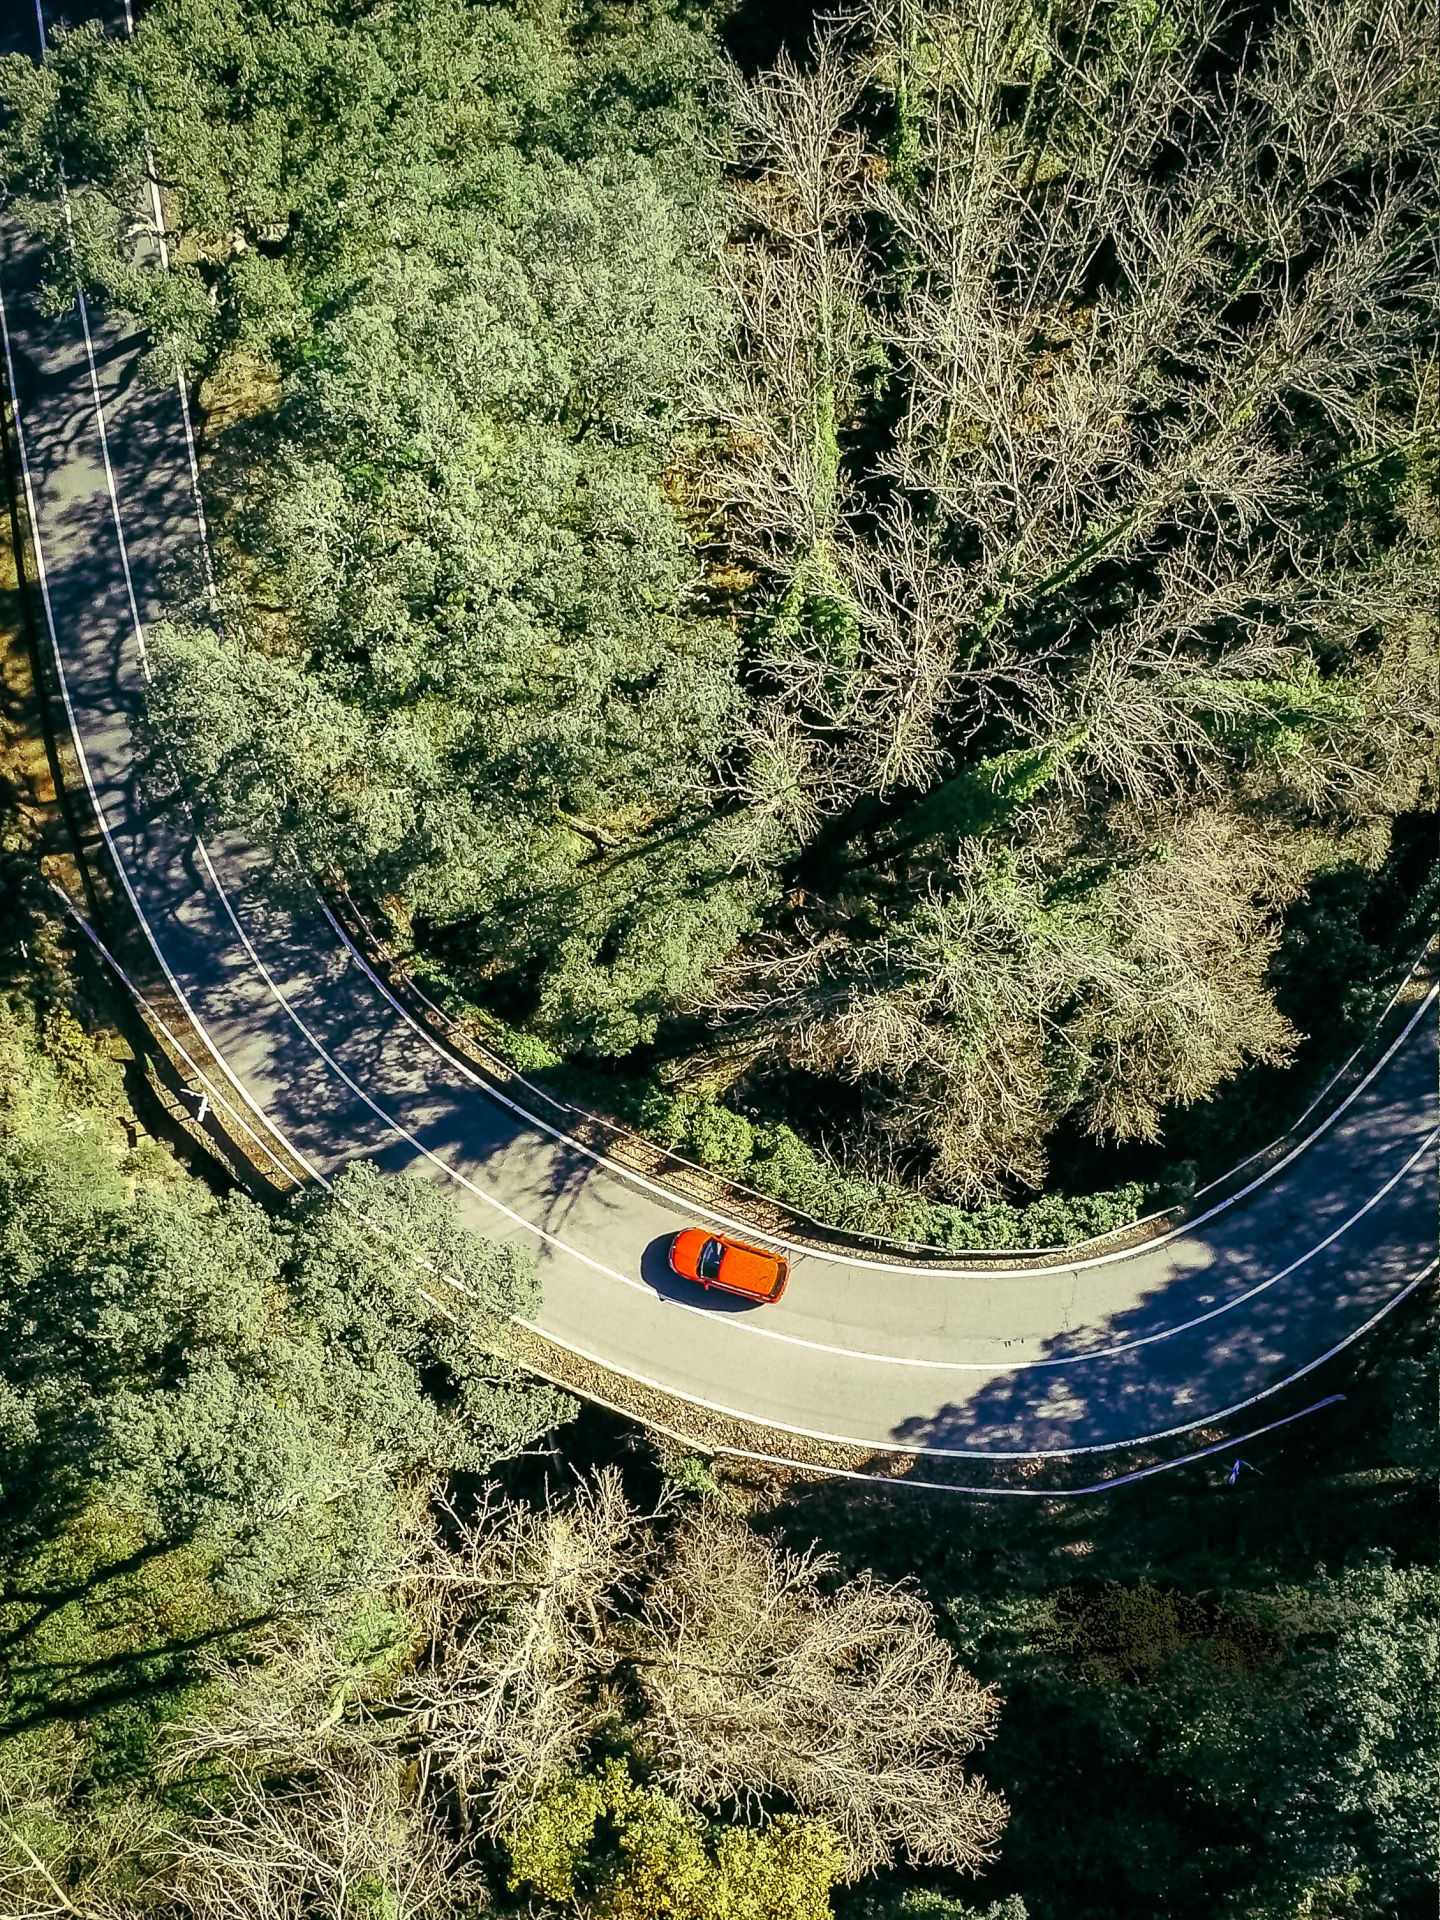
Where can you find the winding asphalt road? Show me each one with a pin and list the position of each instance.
(306, 1052)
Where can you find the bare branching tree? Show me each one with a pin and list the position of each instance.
(1121, 316)
(522, 1608)
(745, 1677)
(758, 1679)
(794, 274)
(121, 1872)
(342, 1840)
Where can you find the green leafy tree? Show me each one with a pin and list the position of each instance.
(1263, 1755)
(1344, 1772)
(916, 1903)
(265, 1389)
(211, 1417)
(464, 296)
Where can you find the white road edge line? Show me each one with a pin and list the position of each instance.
(994, 1367)
(77, 740)
(1040, 1493)
(747, 1327)
(219, 1099)
(1055, 1255)
(1335, 1077)
(885, 1482)
(471, 1186)
(803, 1251)
(992, 1453)
(780, 1460)
(203, 851)
(214, 877)
(217, 1096)
(157, 215)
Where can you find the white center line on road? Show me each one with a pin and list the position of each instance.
(913, 1484)
(747, 1327)
(211, 1090)
(891, 1445)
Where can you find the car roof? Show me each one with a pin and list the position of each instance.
(746, 1267)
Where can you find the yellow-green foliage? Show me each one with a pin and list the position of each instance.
(63, 1103)
(53, 1076)
(102, 1638)
(627, 1852)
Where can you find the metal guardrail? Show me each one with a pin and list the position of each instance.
(689, 1180)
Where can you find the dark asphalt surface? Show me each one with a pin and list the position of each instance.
(321, 1066)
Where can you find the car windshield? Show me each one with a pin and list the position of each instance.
(708, 1265)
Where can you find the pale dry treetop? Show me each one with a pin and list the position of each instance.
(1139, 301)
(746, 1676)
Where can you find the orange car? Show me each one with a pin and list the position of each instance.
(715, 1260)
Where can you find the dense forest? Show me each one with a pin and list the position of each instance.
(278, 1642)
(872, 577)
(311, 1605)
(864, 576)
